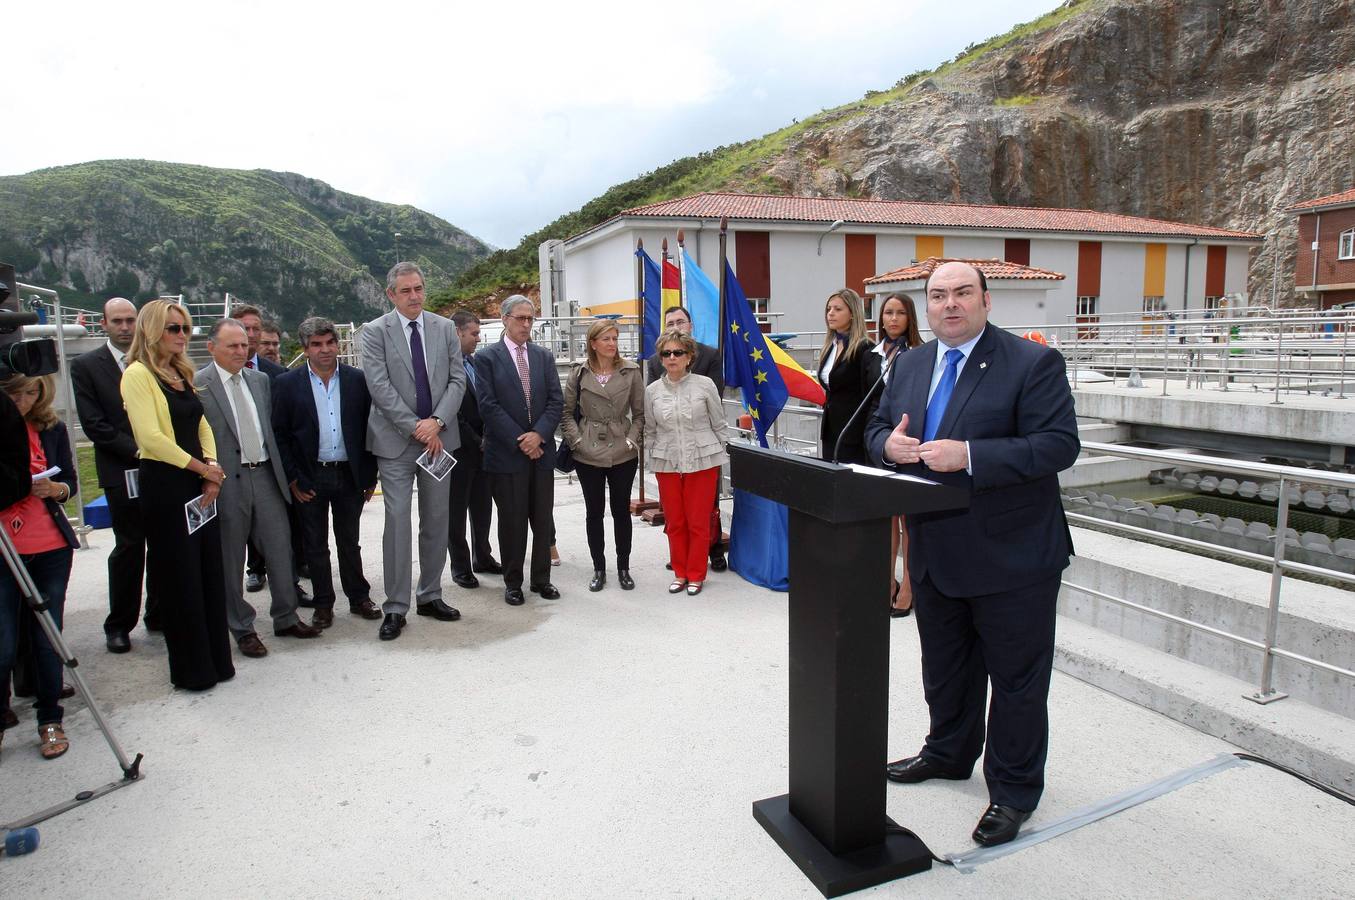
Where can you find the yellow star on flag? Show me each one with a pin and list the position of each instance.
(753, 413)
(761, 377)
(734, 327)
(757, 355)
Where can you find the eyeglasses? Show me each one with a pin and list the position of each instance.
(525, 320)
(174, 328)
(668, 354)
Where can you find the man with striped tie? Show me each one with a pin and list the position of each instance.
(520, 403)
(411, 359)
(990, 412)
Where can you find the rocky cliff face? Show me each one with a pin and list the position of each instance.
(1218, 112)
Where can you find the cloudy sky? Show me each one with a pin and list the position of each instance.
(497, 117)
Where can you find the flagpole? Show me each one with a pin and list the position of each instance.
(682, 273)
(639, 505)
(724, 251)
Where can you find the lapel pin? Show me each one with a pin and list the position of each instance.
(983, 365)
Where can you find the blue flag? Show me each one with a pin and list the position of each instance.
(651, 297)
(702, 299)
(748, 362)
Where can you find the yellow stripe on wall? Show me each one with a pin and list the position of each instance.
(930, 245)
(1154, 270)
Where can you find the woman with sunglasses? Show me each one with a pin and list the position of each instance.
(685, 437)
(38, 527)
(178, 465)
(897, 329)
(846, 370)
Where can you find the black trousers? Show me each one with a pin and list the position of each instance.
(595, 481)
(336, 492)
(524, 498)
(470, 496)
(126, 565)
(1006, 638)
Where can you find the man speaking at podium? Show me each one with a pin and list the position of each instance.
(987, 411)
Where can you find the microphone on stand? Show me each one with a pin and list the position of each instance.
(884, 373)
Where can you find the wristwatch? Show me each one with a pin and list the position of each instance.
(441, 424)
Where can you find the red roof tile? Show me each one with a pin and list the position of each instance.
(1345, 198)
(992, 269)
(760, 207)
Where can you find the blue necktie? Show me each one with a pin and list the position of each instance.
(423, 395)
(470, 374)
(936, 409)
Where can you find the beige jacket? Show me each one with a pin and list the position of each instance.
(685, 428)
(613, 415)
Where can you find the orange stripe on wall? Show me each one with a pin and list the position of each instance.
(1154, 270)
(860, 261)
(929, 245)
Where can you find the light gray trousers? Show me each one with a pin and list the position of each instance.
(398, 476)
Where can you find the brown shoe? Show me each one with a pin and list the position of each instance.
(53, 740)
(323, 618)
(365, 608)
(251, 646)
(299, 630)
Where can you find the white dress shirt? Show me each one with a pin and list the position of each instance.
(252, 411)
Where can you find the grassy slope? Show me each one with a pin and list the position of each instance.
(735, 167)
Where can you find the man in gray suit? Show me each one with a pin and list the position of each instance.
(412, 362)
(253, 500)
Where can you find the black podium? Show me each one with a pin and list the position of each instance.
(832, 823)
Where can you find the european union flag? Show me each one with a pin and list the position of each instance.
(651, 297)
(748, 363)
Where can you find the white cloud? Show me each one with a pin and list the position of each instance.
(497, 117)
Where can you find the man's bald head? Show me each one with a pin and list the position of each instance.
(119, 323)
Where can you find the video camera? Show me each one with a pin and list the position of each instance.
(17, 356)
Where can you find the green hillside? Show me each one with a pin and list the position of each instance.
(291, 244)
(736, 167)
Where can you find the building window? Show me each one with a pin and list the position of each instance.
(1154, 305)
(1213, 303)
(1347, 247)
(761, 306)
(1086, 306)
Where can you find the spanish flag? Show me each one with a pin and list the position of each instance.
(672, 288)
(799, 383)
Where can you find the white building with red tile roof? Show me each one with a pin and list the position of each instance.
(1021, 292)
(791, 253)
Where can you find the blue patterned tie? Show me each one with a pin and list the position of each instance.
(936, 409)
(423, 394)
(470, 375)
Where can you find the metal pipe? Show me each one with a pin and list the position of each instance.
(1276, 576)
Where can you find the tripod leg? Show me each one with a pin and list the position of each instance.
(131, 769)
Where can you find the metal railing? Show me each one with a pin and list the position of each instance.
(1287, 476)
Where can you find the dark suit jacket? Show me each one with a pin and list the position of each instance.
(56, 446)
(846, 388)
(16, 479)
(296, 427)
(708, 362)
(95, 377)
(469, 422)
(505, 411)
(271, 369)
(1013, 405)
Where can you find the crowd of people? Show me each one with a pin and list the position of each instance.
(227, 479)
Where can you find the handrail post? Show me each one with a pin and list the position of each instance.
(1345, 342)
(1279, 352)
(1267, 692)
(1166, 350)
(1227, 349)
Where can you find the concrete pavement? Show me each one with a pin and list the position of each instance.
(604, 744)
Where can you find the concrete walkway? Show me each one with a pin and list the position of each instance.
(603, 744)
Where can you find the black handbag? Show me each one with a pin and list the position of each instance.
(564, 456)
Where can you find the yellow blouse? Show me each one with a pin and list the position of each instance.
(148, 412)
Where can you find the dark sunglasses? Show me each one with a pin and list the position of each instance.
(174, 328)
(672, 353)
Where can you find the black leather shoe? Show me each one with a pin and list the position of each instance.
(391, 626)
(117, 642)
(623, 578)
(999, 824)
(513, 597)
(440, 611)
(598, 583)
(303, 571)
(303, 599)
(547, 591)
(718, 562)
(254, 582)
(466, 580)
(488, 568)
(917, 769)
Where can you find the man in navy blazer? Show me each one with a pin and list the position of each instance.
(992, 413)
(320, 413)
(520, 445)
(470, 495)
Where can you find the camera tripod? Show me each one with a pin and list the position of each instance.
(131, 770)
